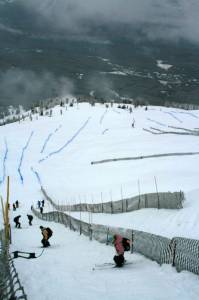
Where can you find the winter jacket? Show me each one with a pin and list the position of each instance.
(16, 219)
(45, 233)
(118, 244)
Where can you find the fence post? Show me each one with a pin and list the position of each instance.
(139, 194)
(157, 192)
(58, 212)
(80, 227)
(181, 199)
(174, 244)
(102, 203)
(111, 201)
(107, 236)
(146, 202)
(91, 232)
(122, 199)
(132, 240)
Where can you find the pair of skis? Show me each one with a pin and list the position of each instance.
(110, 265)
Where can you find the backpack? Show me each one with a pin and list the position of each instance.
(126, 244)
(50, 232)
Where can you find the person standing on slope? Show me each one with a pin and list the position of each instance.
(30, 218)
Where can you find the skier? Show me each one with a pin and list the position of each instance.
(42, 202)
(38, 203)
(17, 204)
(30, 218)
(17, 223)
(47, 233)
(121, 244)
(41, 209)
(14, 207)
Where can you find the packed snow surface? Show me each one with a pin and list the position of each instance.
(57, 152)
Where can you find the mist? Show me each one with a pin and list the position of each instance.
(168, 19)
(26, 87)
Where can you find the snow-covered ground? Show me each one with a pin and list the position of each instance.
(58, 152)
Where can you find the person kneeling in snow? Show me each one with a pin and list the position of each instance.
(121, 244)
(47, 233)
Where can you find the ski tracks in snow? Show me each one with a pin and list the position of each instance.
(48, 138)
(102, 117)
(67, 143)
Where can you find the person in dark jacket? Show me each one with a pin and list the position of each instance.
(17, 223)
(30, 218)
(17, 204)
(46, 233)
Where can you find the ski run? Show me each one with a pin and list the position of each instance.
(57, 152)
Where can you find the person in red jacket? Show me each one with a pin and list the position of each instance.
(121, 244)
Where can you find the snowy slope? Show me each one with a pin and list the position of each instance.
(58, 152)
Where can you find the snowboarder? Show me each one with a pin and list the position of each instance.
(17, 223)
(47, 233)
(30, 218)
(121, 244)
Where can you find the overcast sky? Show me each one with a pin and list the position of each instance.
(169, 18)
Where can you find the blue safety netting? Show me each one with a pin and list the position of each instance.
(22, 156)
(68, 142)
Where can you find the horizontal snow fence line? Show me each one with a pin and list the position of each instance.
(146, 156)
(10, 286)
(166, 200)
(182, 253)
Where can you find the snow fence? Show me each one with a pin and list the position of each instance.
(10, 286)
(180, 252)
(166, 200)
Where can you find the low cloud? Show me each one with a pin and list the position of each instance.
(168, 19)
(9, 29)
(25, 87)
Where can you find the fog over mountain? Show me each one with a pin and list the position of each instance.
(169, 19)
(106, 48)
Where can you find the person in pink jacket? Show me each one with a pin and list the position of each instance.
(118, 241)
